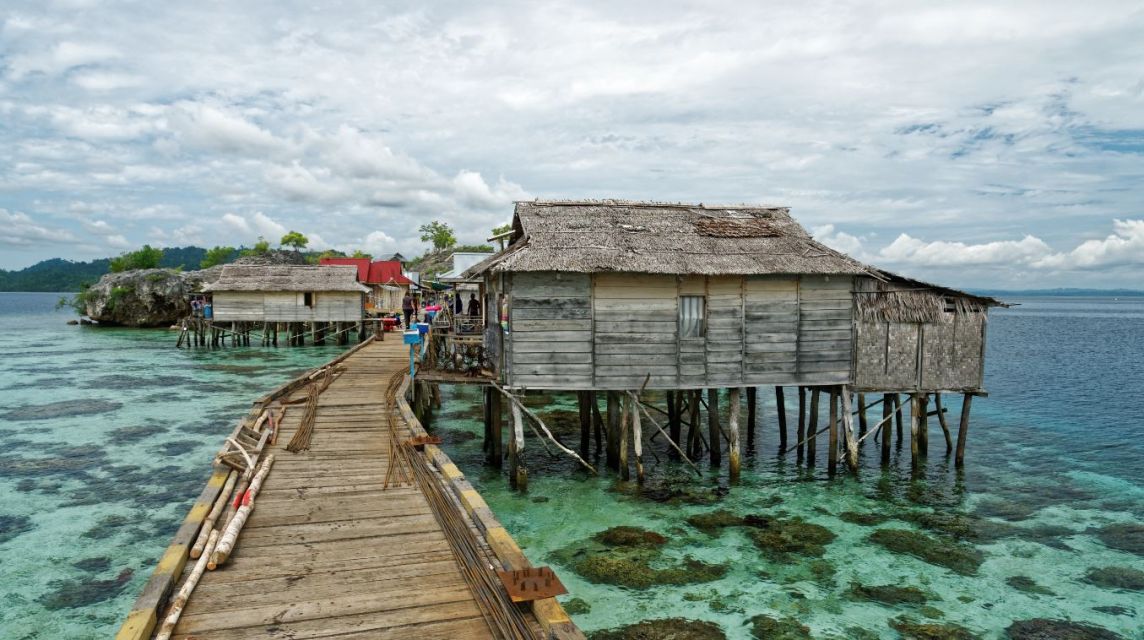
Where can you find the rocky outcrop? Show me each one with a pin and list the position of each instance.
(159, 297)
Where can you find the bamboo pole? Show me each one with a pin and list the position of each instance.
(520, 445)
(209, 522)
(234, 527)
(943, 423)
(668, 437)
(733, 434)
(963, 430)
(637, 438)
(175, 610)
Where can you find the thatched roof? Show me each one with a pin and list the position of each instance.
(647, 237)
(287, 278)
(895, 298)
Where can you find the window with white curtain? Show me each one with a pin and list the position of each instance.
(692, 314)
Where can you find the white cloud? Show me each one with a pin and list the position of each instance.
(378, 244)
(939, 253)
(21, 231)
(1125, 246)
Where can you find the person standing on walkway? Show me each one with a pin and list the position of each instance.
(407, 308)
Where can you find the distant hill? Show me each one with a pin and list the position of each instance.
(1061, 293)
(58, 274)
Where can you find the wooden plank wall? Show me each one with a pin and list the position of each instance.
(550, 320)
(725, 330)
(287, 306)
(825, 329)
(771, 339)
(636, 330)
(692, 351)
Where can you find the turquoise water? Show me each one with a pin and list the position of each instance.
(106, 437)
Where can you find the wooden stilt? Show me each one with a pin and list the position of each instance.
(597, 422)
(693, 448)
(674, 406)
(637, 439)
(944, 425)
(923, 427)
(713, 437)
(861, 415)
(851, 442)
(496, 428)
(585, 423)
(517, 475)
(887, 428)
(752, 401)
(801, 432)
(898, 418)
(613, 426)
(733, 433)
(915, 426)
(832, 458)
(625, 416)
(963, 430)
(812, 427)
(780, 407)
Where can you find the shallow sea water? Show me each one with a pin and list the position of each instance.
(106, 437)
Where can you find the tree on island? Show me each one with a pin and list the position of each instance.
(439, 233)
(217, 256)
(260, 248)
(504, 228)
(295, 240)
(146, 258)
(358, 253)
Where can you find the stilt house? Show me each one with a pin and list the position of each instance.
(287, 293)
(619, 295)
(387, 285)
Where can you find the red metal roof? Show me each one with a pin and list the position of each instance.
(387, 272)
(362, 265)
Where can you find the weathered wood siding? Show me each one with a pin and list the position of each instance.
(770, 313)
(949, 354)
(550, 339)
(825, 329)
(636, 330)
(692, 351)
(286, 306)
(725, 330)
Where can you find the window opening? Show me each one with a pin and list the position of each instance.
(692, 316)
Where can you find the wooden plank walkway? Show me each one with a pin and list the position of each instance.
(327, 552)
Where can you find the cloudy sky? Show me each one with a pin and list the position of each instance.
(978, 143)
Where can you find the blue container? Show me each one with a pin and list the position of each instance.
(429, 315)
(422, 328)
(412, 337)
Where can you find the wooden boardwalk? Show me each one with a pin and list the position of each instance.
(327, 552)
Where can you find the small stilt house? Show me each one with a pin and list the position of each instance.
(287, 293)
(386, 283)
(618, 295)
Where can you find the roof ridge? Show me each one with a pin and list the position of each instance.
(651, 204)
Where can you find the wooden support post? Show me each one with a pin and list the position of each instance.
(915, 426)
(812, 427)
(898, 418)
(851, 442)
(585, 423)
(674, 427)
(637, 438)
(832, 458)
(887, 427)
(923, 427)
(517, 475)
(752, 409)
(496, 428)
(963, 430)
(613, 427)
(625, 415)
(944, 425)
(597, 423)
(693, 448)
(713, 436)
(861, 415)
(801, 432)
(733, 432)
(780, 407)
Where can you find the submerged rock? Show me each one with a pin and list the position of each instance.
(913, 630)
(956, 557)
(864, 519)
(1125, 536)
(768, 628)
(577, 606)
(713, 522)
(632, 557)
(888, 594)
(624, 536)
(1116, 610)
(12, 526)
(779, 538)
(1025, 584)
(1004, 509)
(665, 629)
(963, 526)
(93, 565)
(62, 409)
(1116, 578)
(69, 594)
(1045, 629)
